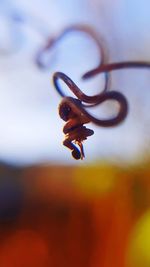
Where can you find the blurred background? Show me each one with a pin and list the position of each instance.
(55, 211)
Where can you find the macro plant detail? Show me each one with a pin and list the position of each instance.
(75, 110)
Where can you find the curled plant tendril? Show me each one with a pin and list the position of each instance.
(74, 129)
(72, 110)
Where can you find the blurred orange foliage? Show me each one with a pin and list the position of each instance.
(78, 216)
